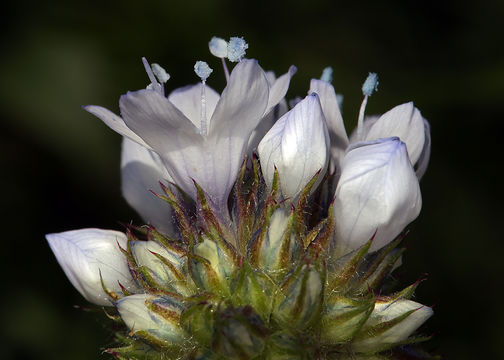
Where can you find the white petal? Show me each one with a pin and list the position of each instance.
(265, 125)
(243, 102)
(297, 145)
(141, 171)
(386, 311)
(168, 132)
(188, 100)
(83, 254)
(423, 160)
(279, 88)
(377, 191)
(332, 113)
(138, 317)
(404, 121)
(115, 123)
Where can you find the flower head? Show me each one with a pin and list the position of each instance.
(261, 257)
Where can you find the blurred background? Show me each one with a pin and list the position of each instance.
(60, 165)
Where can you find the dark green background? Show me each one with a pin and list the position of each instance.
(60, 166)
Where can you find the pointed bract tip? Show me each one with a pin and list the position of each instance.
(370, 85)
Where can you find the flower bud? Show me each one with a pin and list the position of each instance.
(377, 192)
(166, 264)
(299, 301)
(152, 316)
(390, 323)
(239, 333)
(343, 317)
(297, 145)
(279, 243)
(89, 255)
(212, 267)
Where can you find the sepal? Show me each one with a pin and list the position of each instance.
(153, 318)
(343, 317)
(239, 333)
(390, 324)
(211, 267)
(252, 287)
(299, 302)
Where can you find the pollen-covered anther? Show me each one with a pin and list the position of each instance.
(236, 49)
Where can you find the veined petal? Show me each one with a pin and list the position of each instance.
(332, 113)
(115, 123)
(243, 102)
(170, 134)
(141, 171)
(378, 191)
(84, 254)
(239, 110)
(404, 121)
(155, 119)
(279, 88)
(297, 145)
(387, 311)
(188, 100)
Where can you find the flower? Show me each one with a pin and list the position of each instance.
(266, 257)
(171, 127)
(89, 255)
(377, 191)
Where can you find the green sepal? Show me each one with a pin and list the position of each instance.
(135, 350)
(183, 220)
(251, 287)
(300, 209)
(171, 244)
(319, 241)
(246, 203)
(111, 294)
(378, 265)
(342, 271)
(283, 346)
(343, 317)
(239, 333)
(219, 232)
(211, 268)
(298, 304)
(261, 230)
(367, 332)
(198, 321)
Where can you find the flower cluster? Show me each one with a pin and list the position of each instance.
(270, 232)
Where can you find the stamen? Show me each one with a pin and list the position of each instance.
(226, 71)
(154, 84)
(160, 73)
(327, 74)
(202, 69)
(369, 86)
(236, 49)
(218, 47)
